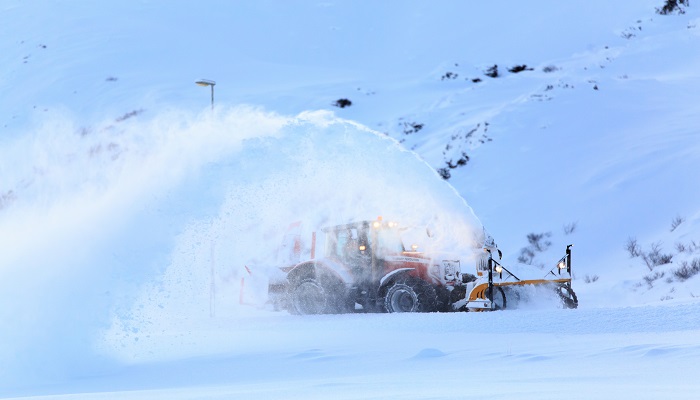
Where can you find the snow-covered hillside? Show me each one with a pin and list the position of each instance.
(128, 207)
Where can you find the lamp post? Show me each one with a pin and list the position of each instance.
(208, 82)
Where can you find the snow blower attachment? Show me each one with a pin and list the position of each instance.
(365, 267)
(497, 284)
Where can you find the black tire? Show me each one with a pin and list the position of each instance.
(567, 296)
(308, 297)
(499, 299)
(410, 294)
(318, 296)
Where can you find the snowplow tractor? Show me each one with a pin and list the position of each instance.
(365, 267)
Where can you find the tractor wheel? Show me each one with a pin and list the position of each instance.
(308, 297)
(314, 296)
(499, 298)
(410, 295)
(567, 296)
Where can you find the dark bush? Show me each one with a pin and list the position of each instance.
(342, 103)
(492, 71)
(462, 161)
(687, 271)
(128, 115)
(519, 68)
(411, 127)
(672, 6)
(444, 173)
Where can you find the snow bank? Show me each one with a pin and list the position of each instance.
(131, 224)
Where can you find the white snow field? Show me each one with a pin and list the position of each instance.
(129, 206)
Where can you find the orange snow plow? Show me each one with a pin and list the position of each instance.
(498, 283)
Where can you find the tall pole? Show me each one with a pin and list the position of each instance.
(210, 83)
(212, 97)
(212, 284)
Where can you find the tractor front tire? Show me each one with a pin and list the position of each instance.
(410, 295)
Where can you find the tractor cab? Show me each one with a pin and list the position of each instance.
(365, 248)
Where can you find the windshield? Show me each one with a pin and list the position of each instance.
(388, 242)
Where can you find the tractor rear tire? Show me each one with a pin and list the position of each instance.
(410, 294)
(319, 296)
(308, 297)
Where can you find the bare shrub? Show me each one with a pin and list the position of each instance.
(687, 270)
(590, 278)
(689, 248)
(654, 257)
(526, 255)
(7, 198)
(538, 241)
(676, 221)
(130, 114)
(681, 248)
(650, 279)
(633, 248)
(550, 68)
(570, 228)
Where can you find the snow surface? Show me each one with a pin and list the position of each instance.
(128, 208)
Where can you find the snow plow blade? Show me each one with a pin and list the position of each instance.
(557, 279)
(497, 285)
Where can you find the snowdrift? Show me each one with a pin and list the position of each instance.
(127, 227)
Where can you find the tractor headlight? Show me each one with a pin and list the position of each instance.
(499, 269)
(562, 264)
